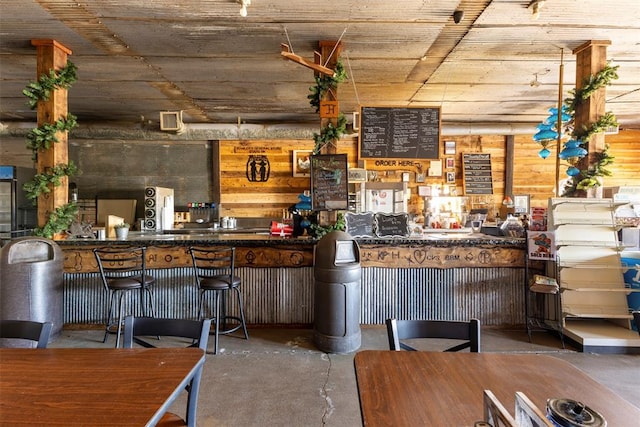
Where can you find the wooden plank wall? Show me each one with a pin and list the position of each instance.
(532, 175)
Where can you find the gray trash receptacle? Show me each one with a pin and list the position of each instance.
(31, 281)
(337, 274)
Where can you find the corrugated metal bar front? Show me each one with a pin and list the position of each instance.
(285, 295)
(270, 296)
(493, 295)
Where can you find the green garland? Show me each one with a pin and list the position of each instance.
(592, 84)
(59, 221)
(326, 83)
(41, 90)
(340, 225)
(329, 133)
(42, 138)
(43, 182)
(590, 178)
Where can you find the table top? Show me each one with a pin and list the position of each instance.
(403, 388)
(91, 386)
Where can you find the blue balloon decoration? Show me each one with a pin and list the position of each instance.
(545, 134)
(544, 153)
(572, 149)
(573, 171)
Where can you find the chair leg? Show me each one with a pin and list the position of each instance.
(120, 318)
(241, 307)
(216, 297)
(109, 316)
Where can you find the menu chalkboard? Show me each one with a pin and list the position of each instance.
(399, 132)
(329, 182)
(359, 224)
(392, 225)
(477, 173)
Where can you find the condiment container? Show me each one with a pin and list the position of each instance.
(571, 413)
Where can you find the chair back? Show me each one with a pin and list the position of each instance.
(196, 330)
(136, 327)
(469, 332)
(213, 262)
(26, 330)
(120, 263)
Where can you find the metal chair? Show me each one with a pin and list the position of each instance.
(26, 330)
(214, 271)
(469, 332)
(197, 332)
(123, 270)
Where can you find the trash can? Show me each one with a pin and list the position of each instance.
(31, 281)
(337, 274)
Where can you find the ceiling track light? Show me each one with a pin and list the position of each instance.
(243, 7)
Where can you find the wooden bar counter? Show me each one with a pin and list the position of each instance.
(443, 276)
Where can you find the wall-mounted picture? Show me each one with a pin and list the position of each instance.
(302, 163)
(449, 147)
(451, 177)
(450, 163)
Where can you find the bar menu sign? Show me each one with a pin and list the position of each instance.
(329, 182)
(477, 173)
(399, 133)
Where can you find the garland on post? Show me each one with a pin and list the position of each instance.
(590, 177)
(41, 90)
(324, 84)
(42, 138)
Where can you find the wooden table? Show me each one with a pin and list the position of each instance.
(90, 386)
(418, 388)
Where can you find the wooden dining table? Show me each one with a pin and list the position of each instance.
(419, 388)
(91, 386)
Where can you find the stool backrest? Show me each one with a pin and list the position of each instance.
(118, 263)
(209, 262)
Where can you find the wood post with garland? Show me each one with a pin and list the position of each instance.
(591, 58)
(52, 55)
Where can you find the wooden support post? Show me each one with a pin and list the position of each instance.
(329, 50)
(591, 58)
(52, 55)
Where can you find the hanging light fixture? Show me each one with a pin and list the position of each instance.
(243, 7)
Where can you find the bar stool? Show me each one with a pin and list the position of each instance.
(123, 271)
(214, 271)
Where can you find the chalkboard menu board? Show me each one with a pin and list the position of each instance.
(329, 182)
(392, 225)
(477, 173)
(359, 224)
(400, 133)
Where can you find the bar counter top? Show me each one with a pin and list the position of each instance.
(443, 239)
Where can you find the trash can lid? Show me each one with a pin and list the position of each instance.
(335, 248)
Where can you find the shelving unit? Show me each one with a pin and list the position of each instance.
(594, 308)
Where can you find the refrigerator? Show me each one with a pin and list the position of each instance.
(18, 216)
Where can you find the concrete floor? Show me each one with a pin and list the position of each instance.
(279, 378)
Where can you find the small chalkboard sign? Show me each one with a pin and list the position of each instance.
(399, 133)
(477, 173)
(329, 182)
(392, 225)
(359, 224)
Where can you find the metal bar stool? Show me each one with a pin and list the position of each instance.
(214, 271)
(123, 271)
